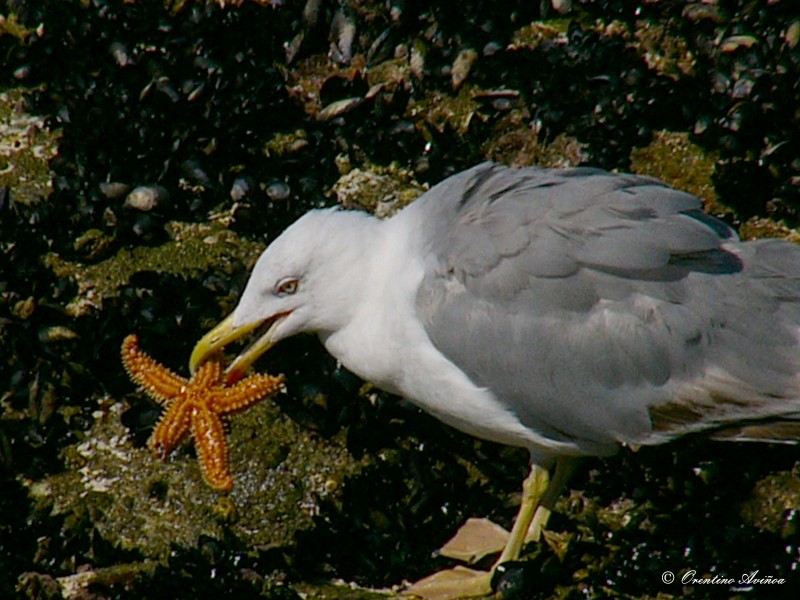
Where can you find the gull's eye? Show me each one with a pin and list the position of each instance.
(286, 286)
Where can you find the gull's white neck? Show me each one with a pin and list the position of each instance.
(385, 342)
(373, 341)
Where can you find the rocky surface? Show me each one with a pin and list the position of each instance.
(149, 151)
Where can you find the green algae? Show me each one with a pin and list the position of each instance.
(675, 160)
(516, 142)
(26, 147)
(339, 591)
(774, 503)
(667, 54)
(379, 190)
(534, 34)
(191, 250)
(77, 585)
(757, 227)
(441, 111)
(10, 25)
(139, 503)
(282, 144)
(391, 73)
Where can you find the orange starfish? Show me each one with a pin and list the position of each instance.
(195, 406)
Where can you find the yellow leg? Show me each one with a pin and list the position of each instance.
(533, 488)
(564, 469)
(539, 492)
(461, 582)
(538, 524)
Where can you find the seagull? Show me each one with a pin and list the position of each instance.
(570, 312)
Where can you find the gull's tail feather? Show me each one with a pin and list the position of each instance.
(777, 432)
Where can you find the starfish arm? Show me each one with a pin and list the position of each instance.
(245, 393)
(171, 430)
(207, 378)
(156, 379)
(212, 447)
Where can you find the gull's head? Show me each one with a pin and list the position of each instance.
(307, 280)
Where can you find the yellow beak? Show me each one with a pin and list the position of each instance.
(225, 333)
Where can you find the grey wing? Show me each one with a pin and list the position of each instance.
(606, 308)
